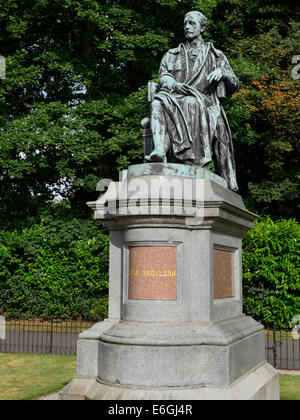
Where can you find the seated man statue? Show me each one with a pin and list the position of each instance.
(186, 114)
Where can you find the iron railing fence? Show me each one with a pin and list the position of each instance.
(60, 337)
(42, 337)
(282, 347)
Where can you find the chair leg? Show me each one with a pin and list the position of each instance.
(148, 142)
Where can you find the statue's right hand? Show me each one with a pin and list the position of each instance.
(181, 88)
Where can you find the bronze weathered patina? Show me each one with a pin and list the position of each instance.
(187, 116)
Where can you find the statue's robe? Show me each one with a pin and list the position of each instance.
(197, 124)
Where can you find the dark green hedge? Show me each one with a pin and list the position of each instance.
(56, 269)
(271, 273)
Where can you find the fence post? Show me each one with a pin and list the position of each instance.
(51, 337)
(274, 346)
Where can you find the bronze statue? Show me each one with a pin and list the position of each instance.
(187, 116)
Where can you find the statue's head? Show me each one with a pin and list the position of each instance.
(194, 24)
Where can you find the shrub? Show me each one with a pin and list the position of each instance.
(271, 281)
(56, 269)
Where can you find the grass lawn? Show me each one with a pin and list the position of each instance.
(290, 387)
(30, 376)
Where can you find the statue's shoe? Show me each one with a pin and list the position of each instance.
(204, 163)
(189, 162)
(155, 157)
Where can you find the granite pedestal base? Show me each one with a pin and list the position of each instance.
(259, 384)
(195, 361)
(175, 328)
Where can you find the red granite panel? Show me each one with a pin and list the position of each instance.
(152, 272)
(223, 274)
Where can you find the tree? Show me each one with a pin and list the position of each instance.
(70, 68)
(262, 39)
(75, 93)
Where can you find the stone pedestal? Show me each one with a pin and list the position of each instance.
(175, 328)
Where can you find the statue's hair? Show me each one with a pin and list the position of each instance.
(200, 16)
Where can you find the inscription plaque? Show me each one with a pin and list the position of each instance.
(223, 274)
(152, 273)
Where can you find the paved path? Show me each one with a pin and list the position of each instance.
(289, 372)
(50, 397)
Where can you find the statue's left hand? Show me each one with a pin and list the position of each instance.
(215, 76)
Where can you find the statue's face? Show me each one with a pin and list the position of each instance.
(192, 27)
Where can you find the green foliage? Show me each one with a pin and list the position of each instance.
(75, 93)
(261, 40)
(57, 269)
(271, 273)
(271, 103)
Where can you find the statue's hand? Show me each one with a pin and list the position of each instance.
(215, 76)
(181, 88)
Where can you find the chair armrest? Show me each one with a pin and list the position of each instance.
(221, 91)
(152, 90)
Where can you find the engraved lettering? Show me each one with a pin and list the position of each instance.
(153, 273)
